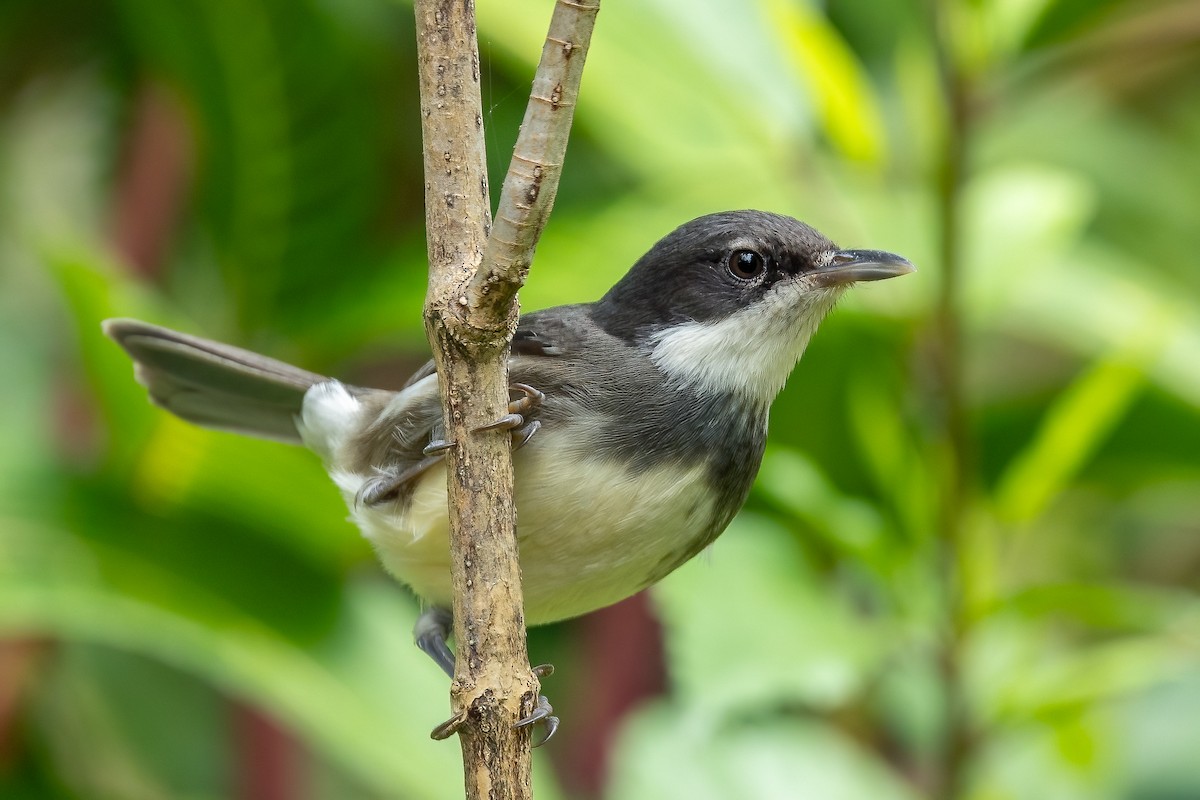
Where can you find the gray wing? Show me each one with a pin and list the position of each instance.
(584, 371)
(394, 447)
(531, 339)
(427, 369)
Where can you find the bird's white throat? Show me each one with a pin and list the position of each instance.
(750, 352)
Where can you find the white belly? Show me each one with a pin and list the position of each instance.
(590, 532)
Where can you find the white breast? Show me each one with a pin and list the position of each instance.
(591, 532)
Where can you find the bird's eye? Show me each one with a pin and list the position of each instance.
(746, 264)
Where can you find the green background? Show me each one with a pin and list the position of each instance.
(970, 565)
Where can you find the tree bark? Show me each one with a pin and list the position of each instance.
(470, 316)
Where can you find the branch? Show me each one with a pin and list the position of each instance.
(471, 314)
(532, 180)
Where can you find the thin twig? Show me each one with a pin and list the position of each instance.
(532, 180)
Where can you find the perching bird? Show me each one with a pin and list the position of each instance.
(640, 425)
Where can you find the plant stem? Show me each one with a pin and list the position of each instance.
(956, 443)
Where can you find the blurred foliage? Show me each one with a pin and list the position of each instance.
(1002, 609)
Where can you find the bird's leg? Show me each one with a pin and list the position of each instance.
(431, 633)
(514, 420)
(382, 488)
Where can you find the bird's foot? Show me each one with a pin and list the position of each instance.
(514, 421)
(431, 632)
(543, 712)
(543, 716)
(384, 487)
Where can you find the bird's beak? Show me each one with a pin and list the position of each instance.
(848, 266)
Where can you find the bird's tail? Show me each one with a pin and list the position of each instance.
(213, 384)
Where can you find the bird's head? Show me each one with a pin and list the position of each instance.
(728, 302)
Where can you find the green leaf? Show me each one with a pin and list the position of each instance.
(888, 445)
(1020, 672)
(366, 699)
(666, 753)
(751, 626)
(1129, 608)
(845, 102)
(793, 482)
(1071, 431)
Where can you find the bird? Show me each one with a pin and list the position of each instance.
(638, 420)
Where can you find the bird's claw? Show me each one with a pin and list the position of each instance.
(437, 447)
(522, 435)
(543, 713)
(508, 422)
(449, 727)
(514, 420)
(384, 487)
(430, 632)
